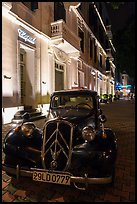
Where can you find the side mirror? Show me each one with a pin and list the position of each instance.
(102, 118)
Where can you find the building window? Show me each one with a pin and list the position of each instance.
(107, 65)
(81, 35)
(59, 11)
(91, 47)
(59, 76)
(22, 75)
(21, 57)
(91, 15)
(34, 6)
(100, 60)
(27, 4)
(101, 35)
(31, 5)
(81, 79)
(95, 52)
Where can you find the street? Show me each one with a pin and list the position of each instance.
(121, 118)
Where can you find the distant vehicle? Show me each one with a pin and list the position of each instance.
(104, 98)
(73, 147)
(110, 98)
(116, 97)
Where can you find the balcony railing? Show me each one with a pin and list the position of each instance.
(109, 54)
(109, 32)
(59, 29)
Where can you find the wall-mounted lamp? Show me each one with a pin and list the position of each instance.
(6, 77)
(75, 84)
(93, 73)
(43, 82)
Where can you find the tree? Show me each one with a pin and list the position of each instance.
(115, 5)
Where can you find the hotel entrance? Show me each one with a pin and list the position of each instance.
(26, 75)
(59, 76)
(22, 76)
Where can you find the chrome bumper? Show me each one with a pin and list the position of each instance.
(28, 173)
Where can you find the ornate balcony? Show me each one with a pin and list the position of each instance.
(63, 38)
(109, 54)
(109, 32)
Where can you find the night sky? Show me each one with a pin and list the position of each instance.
(120, 17)
(123, 38)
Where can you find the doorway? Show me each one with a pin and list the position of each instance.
(59, 76)
(23, 76)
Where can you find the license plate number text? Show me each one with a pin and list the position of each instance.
(51, 177)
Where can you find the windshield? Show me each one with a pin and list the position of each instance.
(73, 101)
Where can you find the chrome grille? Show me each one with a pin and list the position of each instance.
(57, 145)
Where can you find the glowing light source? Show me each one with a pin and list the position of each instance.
(17, 20)
(124, 86)
(26, 37)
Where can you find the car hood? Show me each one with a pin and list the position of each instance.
(71, 115)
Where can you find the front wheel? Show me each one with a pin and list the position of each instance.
(113, 180)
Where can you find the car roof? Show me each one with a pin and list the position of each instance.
(75, 91)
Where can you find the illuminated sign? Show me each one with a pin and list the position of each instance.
(124, 86)
(26, 37)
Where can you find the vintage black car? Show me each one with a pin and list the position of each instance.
(72, 148)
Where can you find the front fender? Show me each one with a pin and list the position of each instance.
(93, 159)
(19, 146)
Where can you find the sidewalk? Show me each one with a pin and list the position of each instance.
(121, 118)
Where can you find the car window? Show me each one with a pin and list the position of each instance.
(72, 101)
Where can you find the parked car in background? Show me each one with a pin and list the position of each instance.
(74, 147)
(116, 97)
(110, 98)
(104, 98)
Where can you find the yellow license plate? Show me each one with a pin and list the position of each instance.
(51, 177)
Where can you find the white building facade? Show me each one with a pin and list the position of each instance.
(41, 54)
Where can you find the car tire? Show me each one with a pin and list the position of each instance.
(113, 178)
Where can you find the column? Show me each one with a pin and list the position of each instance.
(51, 71)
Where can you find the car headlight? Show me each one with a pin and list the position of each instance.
(88, 133)
(27, 129)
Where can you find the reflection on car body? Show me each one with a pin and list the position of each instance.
(73, 147)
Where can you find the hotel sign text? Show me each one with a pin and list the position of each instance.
(26, 37)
